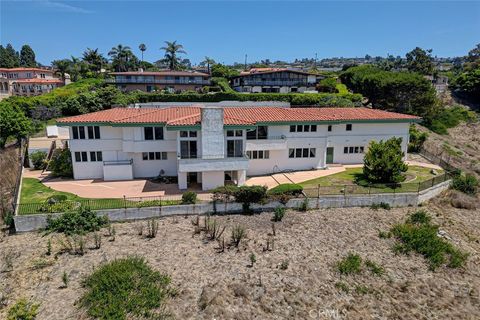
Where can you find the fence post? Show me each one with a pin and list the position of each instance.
(418, 189)
(433, 180)
(318, 191)
(124, 202)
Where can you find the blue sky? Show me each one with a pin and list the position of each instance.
(227, 30)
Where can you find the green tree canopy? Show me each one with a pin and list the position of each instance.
(9, 58)
(94, 59)
(405, 92)
(383, 162)
(220, 70)
(13, 123)
(27, 57)
(123, 58)
(419, 60)
(172, 50)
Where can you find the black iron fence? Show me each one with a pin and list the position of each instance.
(54, 206)
(352, 189)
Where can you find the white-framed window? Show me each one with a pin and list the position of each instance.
(153, 133)
(303, 128)
(302, 153)
(329, 129)
(96, 156)
(348, 127)
(80, 132)
(258, 154)
(154, 155)
(81, 156)
(93, 132)
(188, 134)
(234, 133)
(353, 149)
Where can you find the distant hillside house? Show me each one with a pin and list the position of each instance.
(27, 81)
(149, 81)
(277, 80)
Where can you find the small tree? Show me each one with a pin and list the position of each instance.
(383, 162)
(250, 194)
(38, 159)
(61, 163)
(417, 139)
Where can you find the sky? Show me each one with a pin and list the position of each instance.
(227, 30)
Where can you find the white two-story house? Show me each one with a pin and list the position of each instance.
(213, 144)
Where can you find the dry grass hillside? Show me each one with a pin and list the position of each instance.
(9, 172)
(297, 279)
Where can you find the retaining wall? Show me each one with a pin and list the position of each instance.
(32, 222)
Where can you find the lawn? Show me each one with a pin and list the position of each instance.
(347, 180)
(34, 195)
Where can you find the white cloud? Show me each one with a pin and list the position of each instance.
(62, 6)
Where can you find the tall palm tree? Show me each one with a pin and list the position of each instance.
(172, 49)
(142, 48)
(62, 67)
(93, 58)
(208, 62)
(120, 56)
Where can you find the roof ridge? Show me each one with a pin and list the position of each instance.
(132, 116)
(239, 119)
(183, 118)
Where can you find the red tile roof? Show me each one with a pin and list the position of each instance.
(271, 70)
(37, 80)
(184, 116)
(25, 69)
(161, 73)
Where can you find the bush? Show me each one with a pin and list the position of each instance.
(81, 221)
(418, 235)
(278, 214)
(238, 233)
(38, 159)
(383, 162)
(250, 194)
(8, 219)
(381, 205)
(23, 310)
(126, 288)
(417, 139)
(224, 193)
(189, 197)
(449, 118)
(61, 163)
(291, 189)
(350, 264)
(461, 200)
(374, 268)
(465, 183)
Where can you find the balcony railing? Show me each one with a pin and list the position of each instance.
(276, 83)
(212, 157)
(118, 162)
(282, 137)
(158, 81)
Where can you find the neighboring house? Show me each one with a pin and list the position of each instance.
(278, 80)
(440, 83)
(55, 137)
(148, 81)
(213, 144)
(27, 81)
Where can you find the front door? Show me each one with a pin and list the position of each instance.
(191, 177)
(329, 155)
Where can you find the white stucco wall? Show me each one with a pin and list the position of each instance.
(151, 168)
(212, 179)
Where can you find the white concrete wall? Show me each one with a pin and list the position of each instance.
(212, 179)
(117, 172)
(212, 141)
(151, 168)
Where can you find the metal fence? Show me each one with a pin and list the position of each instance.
(52, 206)
(352, 189)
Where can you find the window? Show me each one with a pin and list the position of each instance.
(153, 133)
(260, 154)
(355, 149)
(302, 153)
(234, 133)
(260, 132)
(349, 127)
(75, 132)
(188, 134)
(154, 155)
(96, 156)
(188, 149)
(330, 128)
(81, 156)
(304, 128)
(234, 148)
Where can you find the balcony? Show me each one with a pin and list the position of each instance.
(95, 144)
(270, 143)
(212, 163)
(167, 145)
(158, 81)
(280, 83)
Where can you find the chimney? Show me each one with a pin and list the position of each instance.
(213, 144)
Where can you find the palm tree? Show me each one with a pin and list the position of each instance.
(93, 58)
(120, 56)
(208, 62)
(142, 48)
(62, 67)
(172, 49)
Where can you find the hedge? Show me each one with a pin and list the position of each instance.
(291, 189)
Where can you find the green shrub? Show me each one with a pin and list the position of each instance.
(417, 139)
(350, 264)
(238, 233)
(383, 162)
(303, 205)
(374, 268)
(23, 310)
(224, 193)
(449, 118)
(465, 183)
(418, 235)
(81, 221)
(189, 197)
(61, 163)
(419, 217)
(291, 189)
(124, 289)
(250, 194)
(38, 159)
(278, 214)
(381, 205)
(8, 219)
(342, 286)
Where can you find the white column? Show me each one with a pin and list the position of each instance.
(182, 180)
(241, 177)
